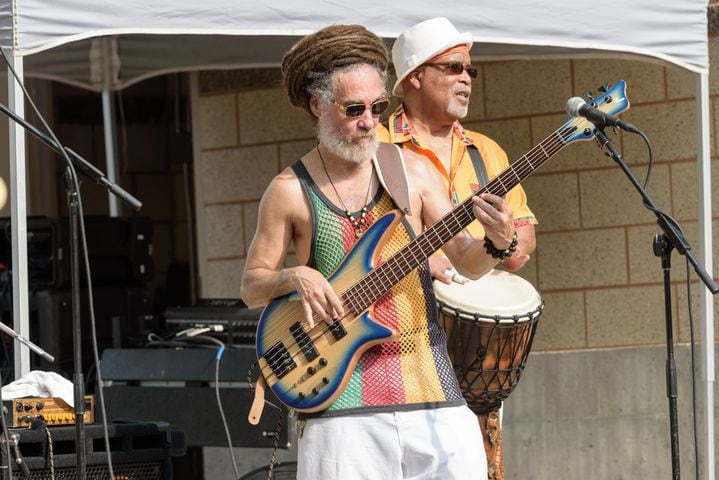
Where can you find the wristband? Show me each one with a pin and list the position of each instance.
(497, 253)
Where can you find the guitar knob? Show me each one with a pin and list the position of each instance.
(325, 380)
(301, 396)
(311, 370)
(323, 362)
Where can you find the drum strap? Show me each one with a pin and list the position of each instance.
(478, 164)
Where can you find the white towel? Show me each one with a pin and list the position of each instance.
(40, 384)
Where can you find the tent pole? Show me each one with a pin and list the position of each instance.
(108, 120)
(18, 213)
(705, 244)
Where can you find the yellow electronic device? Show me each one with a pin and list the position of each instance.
(53, 411)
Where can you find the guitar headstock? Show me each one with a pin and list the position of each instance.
(613, 101)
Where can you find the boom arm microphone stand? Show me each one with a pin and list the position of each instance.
(71, 186)
(672, 238)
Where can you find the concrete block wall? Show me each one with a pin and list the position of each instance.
(594, 264)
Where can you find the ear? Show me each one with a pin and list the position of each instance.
(414, 79)
(315, 106)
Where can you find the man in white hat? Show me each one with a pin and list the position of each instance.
(434, 77)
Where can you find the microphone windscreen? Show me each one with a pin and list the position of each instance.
(573, 106)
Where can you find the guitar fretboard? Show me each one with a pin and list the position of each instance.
(370, 288)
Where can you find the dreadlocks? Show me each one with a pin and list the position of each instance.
(309, 64)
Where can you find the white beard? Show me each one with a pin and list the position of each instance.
(357, 149)
(457, 110)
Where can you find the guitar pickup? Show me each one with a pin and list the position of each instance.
(304, 341)
(279, 360)
(337, 330)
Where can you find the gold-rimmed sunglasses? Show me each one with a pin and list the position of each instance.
(454, 68)
(354, 110)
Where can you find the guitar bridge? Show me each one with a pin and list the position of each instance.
(279, 360)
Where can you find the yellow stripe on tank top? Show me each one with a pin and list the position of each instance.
(419, 373)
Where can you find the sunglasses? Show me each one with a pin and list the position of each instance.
(454, 68)
(354, 110)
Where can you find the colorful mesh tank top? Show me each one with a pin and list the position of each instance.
(411, 372)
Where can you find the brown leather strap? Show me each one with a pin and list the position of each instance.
(258, 403)
(389, 164)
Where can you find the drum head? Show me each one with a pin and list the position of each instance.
(497, 293)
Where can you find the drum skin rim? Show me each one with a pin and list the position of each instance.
(498, 296)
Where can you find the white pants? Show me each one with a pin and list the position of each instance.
(435, 444)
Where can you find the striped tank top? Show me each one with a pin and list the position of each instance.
(413, 371)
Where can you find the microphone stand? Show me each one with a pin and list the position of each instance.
(662, 246)
(71, 186)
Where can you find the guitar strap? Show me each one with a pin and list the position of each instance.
(389, 164)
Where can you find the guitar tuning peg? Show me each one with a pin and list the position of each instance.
(604, 88)
(589, 95)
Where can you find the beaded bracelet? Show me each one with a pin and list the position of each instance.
(497, 253)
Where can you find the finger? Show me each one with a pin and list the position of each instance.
(308, 315)
(494, 200)
(457, 278)
(445, 276)
(484, 210)
(335, 306)
(321, 310)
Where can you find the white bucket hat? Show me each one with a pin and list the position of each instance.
(421, 42)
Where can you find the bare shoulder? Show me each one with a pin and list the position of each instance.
(284, 192)
(421, 172)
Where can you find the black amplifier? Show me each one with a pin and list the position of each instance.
(227, 319)
(120, 249)
(177, 385)
(139, 450)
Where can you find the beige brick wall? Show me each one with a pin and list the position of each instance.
(594, 265)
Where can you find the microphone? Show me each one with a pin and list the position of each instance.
(576, 107)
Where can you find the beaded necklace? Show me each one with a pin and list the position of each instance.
(357, 223)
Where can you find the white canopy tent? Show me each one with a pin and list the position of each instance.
(111, 44)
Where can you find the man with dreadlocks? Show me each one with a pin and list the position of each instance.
(401, 414)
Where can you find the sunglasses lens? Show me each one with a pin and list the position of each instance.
(455, 68)
(380, 106)
(472, 71)
(354, 110)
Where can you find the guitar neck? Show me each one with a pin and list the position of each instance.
(365, 292)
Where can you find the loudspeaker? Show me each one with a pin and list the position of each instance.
(119, 248)
(139, 451)
(121, 314)
(176, 385)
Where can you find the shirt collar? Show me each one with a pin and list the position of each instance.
(400, 130)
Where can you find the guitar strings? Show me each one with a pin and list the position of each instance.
(524, 165)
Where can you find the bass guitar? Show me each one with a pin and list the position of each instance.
(307, 369)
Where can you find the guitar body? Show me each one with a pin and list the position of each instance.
(308, 372)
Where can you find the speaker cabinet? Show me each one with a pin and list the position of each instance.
(119, 248)
(139, 451)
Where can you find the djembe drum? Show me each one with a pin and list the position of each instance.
(490, 325)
